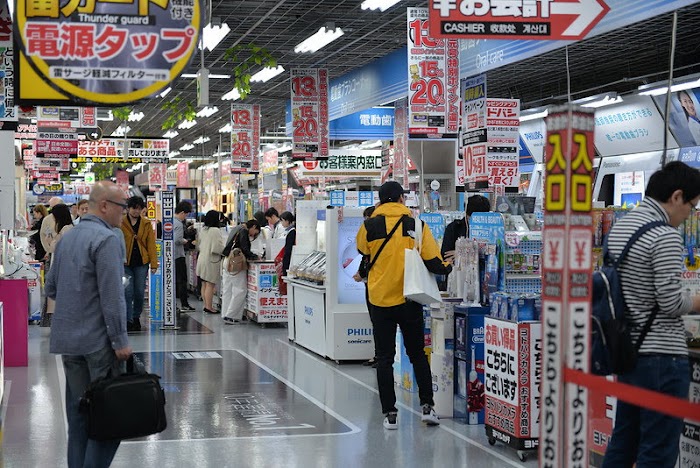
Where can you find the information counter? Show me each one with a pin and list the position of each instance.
(264, 304)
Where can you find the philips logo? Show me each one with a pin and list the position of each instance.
(360, 332)
(308, 311)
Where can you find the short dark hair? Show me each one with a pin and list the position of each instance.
(136, 202)
(478, 204)
(369, 211)
(211, 219)
(271, 212)
(252, 223)
(287, 216)
(81, 202)
(674, 176)
(183, 206)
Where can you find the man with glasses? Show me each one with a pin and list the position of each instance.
(140, 241)
(89, 323)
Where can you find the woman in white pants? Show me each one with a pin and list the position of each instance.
(235, 285)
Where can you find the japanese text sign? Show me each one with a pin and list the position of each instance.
(156, 177)
(503, 131)
(183, 174)
(400, 161)
(245, 136)
(471, 165)
(515, 19)
(345, 163)
(309, 91)
(102, 52)
(433, 79)
(270, 163)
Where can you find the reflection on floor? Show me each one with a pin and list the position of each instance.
(263, 403)
(186, 325)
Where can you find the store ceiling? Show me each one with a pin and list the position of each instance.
(617, 61)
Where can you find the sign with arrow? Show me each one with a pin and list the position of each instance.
(519, 19)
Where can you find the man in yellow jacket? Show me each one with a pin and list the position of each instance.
(389, 307)
(140, 243)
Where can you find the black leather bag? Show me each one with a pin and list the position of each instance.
(125, 407)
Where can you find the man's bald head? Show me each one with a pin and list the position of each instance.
(53, 201)
(103, 190)
(105, 200)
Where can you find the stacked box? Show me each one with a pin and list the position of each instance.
(442, 360)
(469, 363)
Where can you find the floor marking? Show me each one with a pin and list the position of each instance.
(406, 407)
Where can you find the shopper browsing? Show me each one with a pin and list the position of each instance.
(210, 245)
(89, 324)
(389, 307)
(460, 227)
(650, 280)
(235, 283)
(361, 275)
(182, 209)
(82, 210)
(275, 223)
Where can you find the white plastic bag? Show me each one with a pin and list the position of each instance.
(419, 285)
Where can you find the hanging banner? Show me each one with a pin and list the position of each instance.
(502, 129)
(345, 163)
(309, 91)
(400, 163)
(245, 136)
(183, 174)
(122, 180)
(8, 111)
(566, 284)
(433, 80)
(102, 52)
(269, 162)
(66, 117)
(56, 145)
(471, 164)
(157, 177)
(528, 19)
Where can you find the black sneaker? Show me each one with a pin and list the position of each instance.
(187, 308)
(429, 417)
(391, 422)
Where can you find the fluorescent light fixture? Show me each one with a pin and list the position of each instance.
(266, 74)
(207, 111)
(135, 116)
(165, 91)
(213, 35)
(324, 36)
(186, 147)
(646, 91)
(172, 154)
(185, 124)
(201, 140)
(606, 101)
(381, 5)
(221, 153)
(172, 166)
(370, 144)
(534, 116)
(285, 147)
(109, 117)
(121, 131)
(171, 134)
(213, 76)
(226, 128)
(232, 95)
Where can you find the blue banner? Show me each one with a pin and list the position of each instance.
(337, 198)
(376, 123)
(155, 291)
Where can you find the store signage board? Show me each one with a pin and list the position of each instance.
(685, 129)
(502, 158)
(245, 136)
(566, 283)
(53, 189)
(309, 95)
(101, 53)
(532, 134)
(433, 81)
(399, 166)
(8, 110)
(345, 163)
(270, 163)
(370, 124)
(65, 117)
(471, 168)
(497, 19)
(168, 212)
(157, 177)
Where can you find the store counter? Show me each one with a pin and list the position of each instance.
(264, 304)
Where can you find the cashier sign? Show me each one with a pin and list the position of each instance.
(105, 52)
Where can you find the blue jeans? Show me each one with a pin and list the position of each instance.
(135, 290)
(643, 436)
(80, 371)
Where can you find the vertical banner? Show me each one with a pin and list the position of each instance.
(8, 111)
(471, 168)
(400, 164)
(183, 174)
(169, 316)
(566, 288)
(122, 180)
(502, 128)
(155, 291)
(245, 136)
(157, 177)
(309, 92)
(433, 80)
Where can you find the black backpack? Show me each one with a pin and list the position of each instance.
(612, 348)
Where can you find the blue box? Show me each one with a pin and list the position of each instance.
(469, 363)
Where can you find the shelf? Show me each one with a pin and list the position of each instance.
(523, 276)
(514, 238)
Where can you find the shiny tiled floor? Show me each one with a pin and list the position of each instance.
(352, 435)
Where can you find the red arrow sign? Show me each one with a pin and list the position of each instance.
(496, 19)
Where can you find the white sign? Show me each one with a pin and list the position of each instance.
(345, 163)
(532, 133)
(245, 136)
(503, 160)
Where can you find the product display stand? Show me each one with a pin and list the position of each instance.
(264, 304)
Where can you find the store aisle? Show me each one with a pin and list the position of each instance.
(311, 412)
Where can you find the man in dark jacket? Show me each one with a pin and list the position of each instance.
(459, 228)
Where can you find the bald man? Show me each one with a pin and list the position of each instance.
(89, 322)
(48, 226)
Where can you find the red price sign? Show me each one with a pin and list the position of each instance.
(309, 95)
(475, 166)
(245, 136)
(240, 117)
(305, 124)
(304, 86)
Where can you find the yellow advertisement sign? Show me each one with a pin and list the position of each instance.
(102, 52)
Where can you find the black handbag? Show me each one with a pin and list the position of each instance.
(125, 407)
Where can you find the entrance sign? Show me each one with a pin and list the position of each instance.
(519, 19)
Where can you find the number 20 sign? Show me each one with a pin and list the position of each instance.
(309, 95)
(245, 136)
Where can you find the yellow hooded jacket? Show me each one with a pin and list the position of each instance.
(385, 280)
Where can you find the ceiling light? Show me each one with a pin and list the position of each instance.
(606, 101)
(221, 153)
(324, 36)
(121, 131)
(213, 75)
(534, 116)
(213, 35)
(201, 140)
(186, 147)
(172, 167)
(646, 91)
(226, 128)
(208, 111)
(231, 95)
(381, 5)
(285, 147)
(171, 134)
(185, 124)
(107, 118)
(266, 74)
(172, 154)
(165, 91)
(370, 144)
(135, 116)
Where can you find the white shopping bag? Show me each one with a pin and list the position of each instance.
(419, 285)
